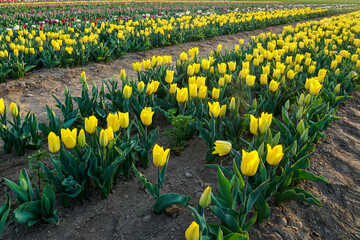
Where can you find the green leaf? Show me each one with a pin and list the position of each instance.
(301, 174)
(147, 184)
(228, 220)
(18, 191)
(199, 220)
(169, 199)
(224, 187)
(297, 194)
(4, 212)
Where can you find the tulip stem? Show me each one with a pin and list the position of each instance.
(16, 124)
(245, 189)
(269, 170)
(103, 156)
(158, 185)
(145, 133)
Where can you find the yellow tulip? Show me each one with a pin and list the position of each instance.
(140, 86)
(250, 80)
(113, 121)
(193, 90)
(190, 70)
(337, 88)
(146, 116)
(182, 95)
(91, 124)
(215, 94)
(123, 119)
(109, 134)
(241, 42)
(311, 69)
(228, 78)
(214, 109)
(315, 88)
(205, 64)
(2, 106)
(103, 140)
(146, 64)
(274, 155)
(273, 86)
(173, 88)
(193, 232)
(183, 56)
(222, 68)
(254, 125)
(222, 147)
(81, 138)
(221, 82)
(265, 122)
(127, 90)
(290, 74)
(219, 48)
(232, 66)
(249, 163)
(202, 92)
(160, 156)
(53, 142)
(205, 198)
(277, 73)
(334, 64)
(69, 137)
(14, 110)
(169, 76)
(266, 70)
(196, 67)
(137, 66)
(150, 88)
(263, 79)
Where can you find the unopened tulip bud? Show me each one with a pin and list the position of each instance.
(300, 128)
(205, 198)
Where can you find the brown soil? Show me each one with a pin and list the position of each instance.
(127, 214)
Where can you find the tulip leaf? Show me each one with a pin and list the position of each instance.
(224, 188)
(4, 212)
(297, 194)
(21, 194)
(147, 184)
(251, 222)
(301, 174)
(253, 196)
(228, 220)
(236, 236)
(168, 199)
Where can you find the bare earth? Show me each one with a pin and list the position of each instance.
(126, 213)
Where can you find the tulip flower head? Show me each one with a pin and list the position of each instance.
(53, 142)
(69, 137)
(81, 138)
(146, 116)
(127, 90)
(91, 124)
(250, 162)
(113, 121)
(160, 156)
(274, 155)
(222, 147)
(205, 198)
(265, 122)
(14, 109)
(123, 119)
(193, 232)
(2, 106)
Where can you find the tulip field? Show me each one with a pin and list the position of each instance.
(232, 142)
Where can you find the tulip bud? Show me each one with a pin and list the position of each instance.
(140, 86)
(222, 110)
(287, 105)
(337, 72)
(53, 142)
(173, 88)
(14, 109)
(193, 232)
(300, 128)
(23, 184)
(304, 136)
(301, 99)
(123, 119)
(127, 90)
(2, 106)
(81, 138)
(254, 125)
(215, 93)
(103, 140)
(232, 104)
(169, 76)
(307, 99)
(299, 114)
(336, 91)
(122, 74)
(202, 92)
(205, 198)
(193, 90)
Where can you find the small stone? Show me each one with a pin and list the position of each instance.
(188, 174)
(16, 230)
(278, 236)
(146, 218)
(173, 229)
(92, 230)
(127, 216)
(282, 221)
